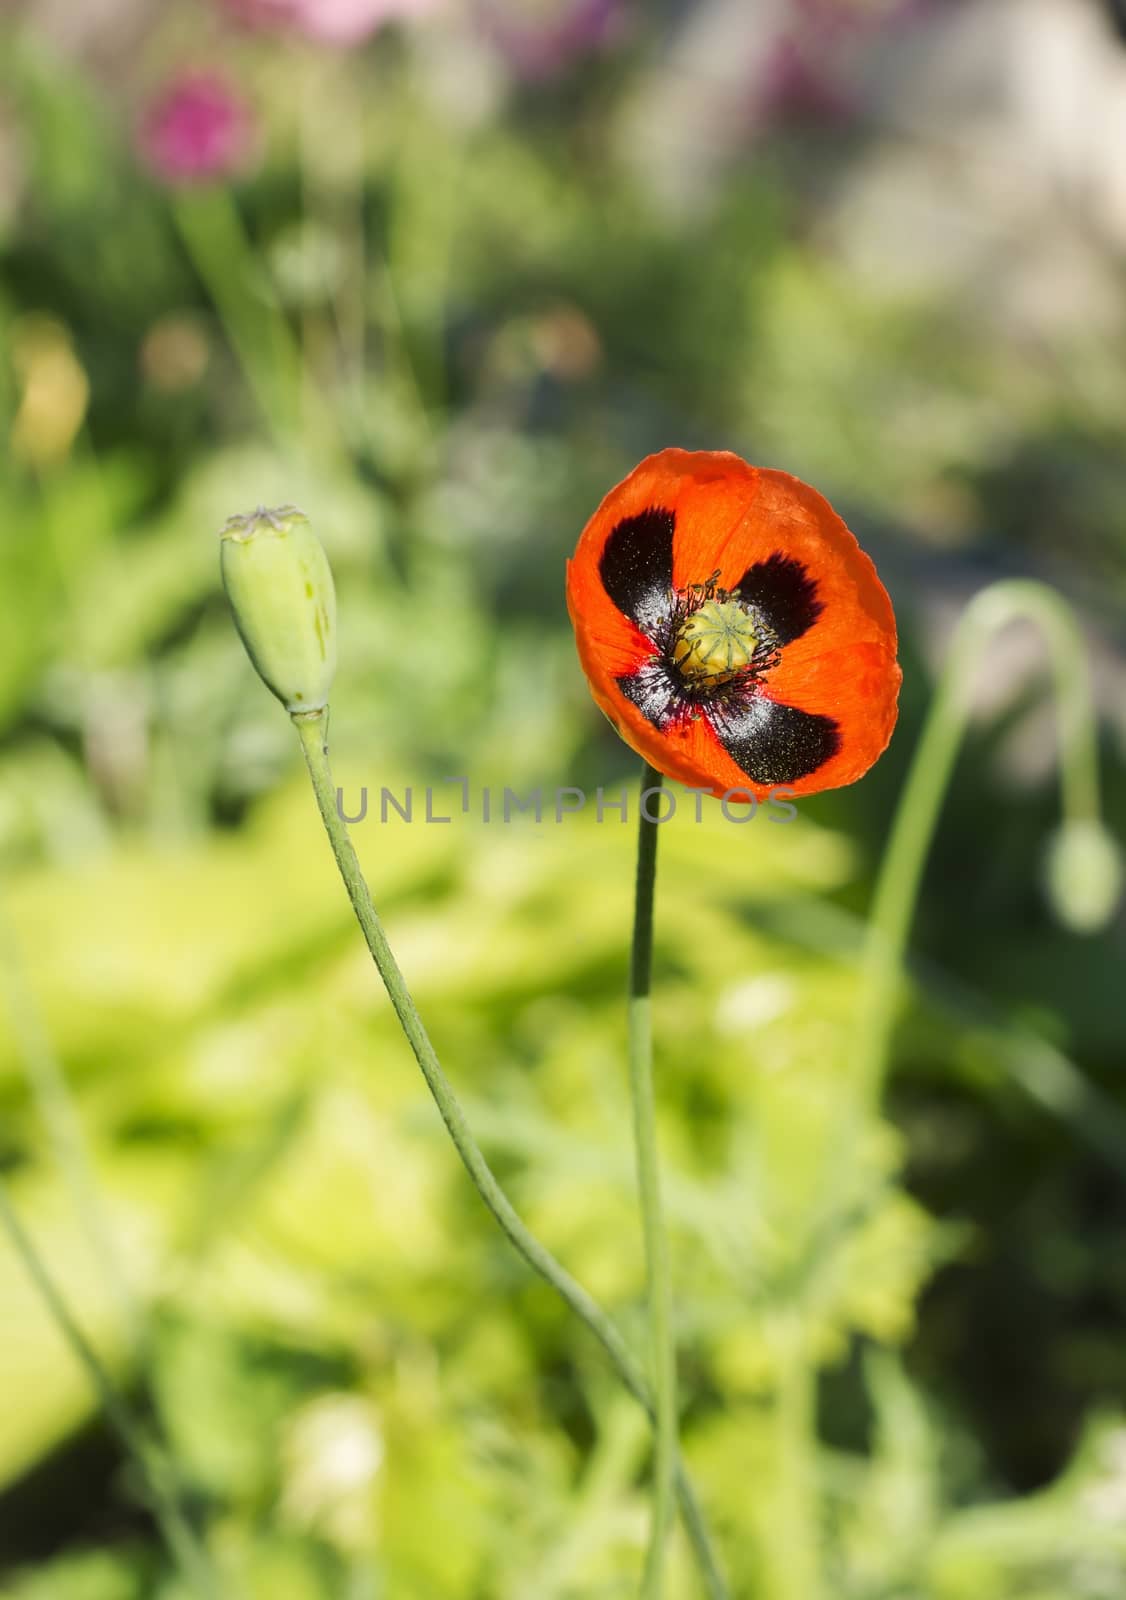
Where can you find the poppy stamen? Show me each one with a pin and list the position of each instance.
(716, 643)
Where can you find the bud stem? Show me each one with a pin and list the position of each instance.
(157, 1473)
(51, 1096)
(312, 730)
(916, 817)
(262, 340)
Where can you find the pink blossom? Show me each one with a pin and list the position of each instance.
(543, 41)
(798, 83)
(813, 71)
(197, 129)
(333, 22)
(266, 14)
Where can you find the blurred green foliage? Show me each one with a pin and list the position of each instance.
(443, 328)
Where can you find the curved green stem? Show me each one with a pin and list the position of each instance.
(55, 1106)
(661, 1338)
(897, 888)
(154, 1468)
(223, 257)
(912, 831)
(312, 731)
(792, 1542)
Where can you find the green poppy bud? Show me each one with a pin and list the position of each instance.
(279, 584)
(1084, 875)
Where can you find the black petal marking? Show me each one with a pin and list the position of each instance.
(636, 566)
(655, 693)
(783, 591)
(775, 743)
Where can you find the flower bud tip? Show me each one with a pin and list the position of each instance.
(280, 588)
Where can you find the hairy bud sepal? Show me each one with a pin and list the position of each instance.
(279, 585)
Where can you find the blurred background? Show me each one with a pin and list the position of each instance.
(440, 274)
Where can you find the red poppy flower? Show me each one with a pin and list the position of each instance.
(732, 629)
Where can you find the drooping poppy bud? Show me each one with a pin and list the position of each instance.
(279, 584)
(732, 629)
(1083, 875)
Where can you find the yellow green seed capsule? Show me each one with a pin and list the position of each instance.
(279, 584)
(716, 643)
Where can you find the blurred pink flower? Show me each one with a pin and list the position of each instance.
(543, 39)
(334, 22)
(814, 69)
(259, 13)
(197, 129)
(799, 84)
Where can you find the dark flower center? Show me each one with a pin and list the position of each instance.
(716, 647)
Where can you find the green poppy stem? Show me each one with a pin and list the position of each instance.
(56, 1108)
(155, 1469)
(661, 1337)
(912, 832)
(51, 1095)
(792, 1546)
(897, 887)
(312, 730)
(269, 354)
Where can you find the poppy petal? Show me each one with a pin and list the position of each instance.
(783, 591)
(652, 690)
(774, 743)
(636, 565)
(858, 686)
